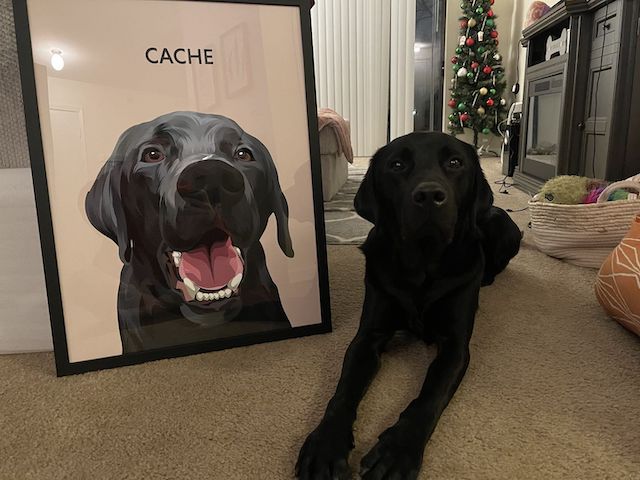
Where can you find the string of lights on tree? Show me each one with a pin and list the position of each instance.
(478, 83)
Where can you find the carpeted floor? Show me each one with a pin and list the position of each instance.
(553, 392)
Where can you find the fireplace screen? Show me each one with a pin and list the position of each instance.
(544, 128)
(543, 132)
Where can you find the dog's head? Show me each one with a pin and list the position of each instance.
(189, 193)
(425, 186)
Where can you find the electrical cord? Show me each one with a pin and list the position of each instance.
(504, 185)
(511, 210)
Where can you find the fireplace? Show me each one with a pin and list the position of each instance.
(544, 124)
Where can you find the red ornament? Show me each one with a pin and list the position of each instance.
(470, 42)
(492, 2)
(452, 103)
(464, 117)
(490, 102)
(494, 34)
(464, 23)
(454, 60)
(490, 13)
(487, 70)
(475, 65)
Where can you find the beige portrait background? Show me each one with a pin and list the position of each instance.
(257, 79)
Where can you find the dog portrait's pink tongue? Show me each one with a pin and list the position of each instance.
(211, 268)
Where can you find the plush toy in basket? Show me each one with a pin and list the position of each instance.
(580, 219)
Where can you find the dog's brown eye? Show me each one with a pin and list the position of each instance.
(152, 155)
(454, 163)
(243, 154)
(397, 166)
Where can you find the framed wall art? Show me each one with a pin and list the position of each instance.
(175, 162)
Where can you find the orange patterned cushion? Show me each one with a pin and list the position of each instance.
(618, 283)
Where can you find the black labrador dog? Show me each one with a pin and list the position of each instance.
(436, 238)
(186, 197)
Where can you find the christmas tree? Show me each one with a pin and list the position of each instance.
(478, 82)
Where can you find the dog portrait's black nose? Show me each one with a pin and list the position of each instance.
(429, 193)
(217, 179)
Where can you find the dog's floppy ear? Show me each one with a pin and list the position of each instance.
(366, 200)
(103, 205)
(482, 194)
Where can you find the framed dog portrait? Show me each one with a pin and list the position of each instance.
(175, 160)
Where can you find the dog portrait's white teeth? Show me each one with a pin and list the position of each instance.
(216, 296)
(235, 281)
(227, 292)
(238, 251)
(176, 254)
(199, 296)
(192, 287)
(176, 261)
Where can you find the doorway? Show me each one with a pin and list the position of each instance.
(429, 65)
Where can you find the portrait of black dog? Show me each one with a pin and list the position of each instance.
(186, 197)
(436, 239)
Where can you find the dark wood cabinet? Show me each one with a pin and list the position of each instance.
(581, 109)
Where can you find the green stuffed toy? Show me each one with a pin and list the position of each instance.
(575, 190)
(565, 189)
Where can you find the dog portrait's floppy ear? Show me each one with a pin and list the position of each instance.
(103, 205)
(281, 211)
(279, 204)
(366, 201)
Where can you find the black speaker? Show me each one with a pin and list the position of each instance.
(511, 140)
(511, 148)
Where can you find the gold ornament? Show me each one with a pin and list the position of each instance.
(472, 22)
(481, 111)
(484, 91)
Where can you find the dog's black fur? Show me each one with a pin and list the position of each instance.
(436, 238)
(175, 183)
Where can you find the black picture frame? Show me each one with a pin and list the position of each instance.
(45, 224)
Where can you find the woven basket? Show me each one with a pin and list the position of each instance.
(584, 234)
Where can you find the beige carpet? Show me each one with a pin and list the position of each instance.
(553, 391)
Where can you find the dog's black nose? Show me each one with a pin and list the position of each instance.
(429, 193)
(217, 179)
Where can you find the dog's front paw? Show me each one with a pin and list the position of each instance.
(396, 456)
(325, 454)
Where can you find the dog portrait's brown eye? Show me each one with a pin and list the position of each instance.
(243, 154)
(454, 163)
(397, 166)
(153, 155)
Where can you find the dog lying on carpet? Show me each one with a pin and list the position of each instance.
(436, 239)
(186, 197)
